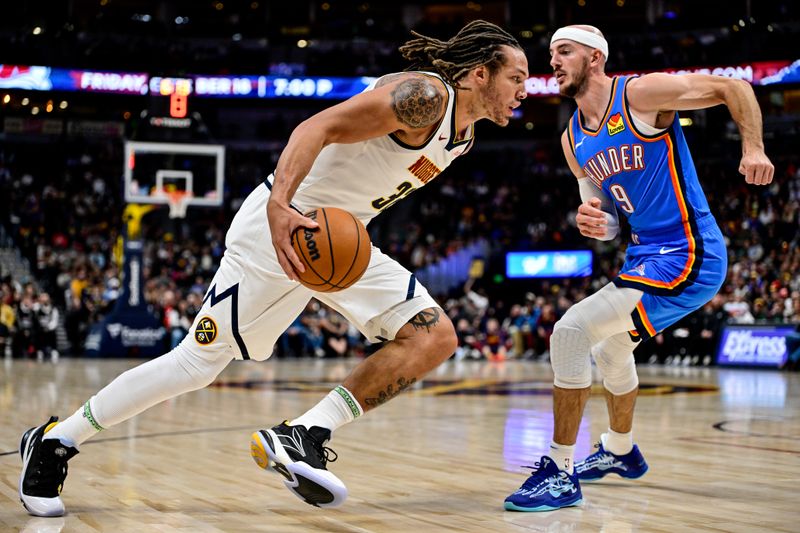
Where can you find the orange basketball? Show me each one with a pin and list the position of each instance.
(336, 254)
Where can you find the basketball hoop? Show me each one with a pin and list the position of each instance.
(178, 201)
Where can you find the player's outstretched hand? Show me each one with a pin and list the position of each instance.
(591, 219)
(756, 168)
(283, 220)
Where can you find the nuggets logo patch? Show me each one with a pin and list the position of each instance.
(615, 124)
(206, 331)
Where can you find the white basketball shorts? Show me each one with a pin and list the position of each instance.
(251, 302)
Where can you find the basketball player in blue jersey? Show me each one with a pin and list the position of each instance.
(624, 144)
(362, 155)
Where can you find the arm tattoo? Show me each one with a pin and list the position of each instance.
(390, 392)
(425, 319)
(389, 78)
(417, 103)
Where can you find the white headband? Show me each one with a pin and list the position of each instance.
(582, 36)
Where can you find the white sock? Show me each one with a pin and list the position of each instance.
(79, 427)
(336, 409)
(137, 389)
(617, 443)
(562, 455)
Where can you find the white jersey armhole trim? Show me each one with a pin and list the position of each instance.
(644, 127)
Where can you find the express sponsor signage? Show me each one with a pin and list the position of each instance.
(750, 345)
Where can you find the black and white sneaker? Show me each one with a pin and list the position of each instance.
(44, 468)
(300, 455)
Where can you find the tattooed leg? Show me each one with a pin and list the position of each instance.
(427, 340)
(390, 392)
(425, 319)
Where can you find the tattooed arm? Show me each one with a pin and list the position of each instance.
(409, 104)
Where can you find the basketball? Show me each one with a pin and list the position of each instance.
(336, 254)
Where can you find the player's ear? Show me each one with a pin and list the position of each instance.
(597, 58)
(481, 74)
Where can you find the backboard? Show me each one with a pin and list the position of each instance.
(156, 170)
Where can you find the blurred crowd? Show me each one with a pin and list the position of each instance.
(28, 322)
(64, 214)
(361, 38)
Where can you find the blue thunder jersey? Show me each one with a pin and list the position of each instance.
(653, 183)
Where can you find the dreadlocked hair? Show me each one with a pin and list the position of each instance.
(478, 43)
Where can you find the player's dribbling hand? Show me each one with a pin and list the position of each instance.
(591, 220)
(756, 168)
(283, 220)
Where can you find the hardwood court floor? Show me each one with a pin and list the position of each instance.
(723, 448)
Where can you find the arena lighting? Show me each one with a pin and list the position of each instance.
(685, 121)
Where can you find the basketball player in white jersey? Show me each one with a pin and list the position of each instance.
(362, 155)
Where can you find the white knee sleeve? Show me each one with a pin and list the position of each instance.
(159, 379)
(614, 358)
(569, 353)
(590, 321)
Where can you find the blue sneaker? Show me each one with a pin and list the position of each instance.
(547, 489)
(631, 465)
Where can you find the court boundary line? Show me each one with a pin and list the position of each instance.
(702, 440)
(154, 435)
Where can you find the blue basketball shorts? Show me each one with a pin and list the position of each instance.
(677, 276)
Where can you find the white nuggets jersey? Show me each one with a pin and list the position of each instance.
(367, 177)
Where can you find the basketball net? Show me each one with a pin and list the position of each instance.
(178, 201)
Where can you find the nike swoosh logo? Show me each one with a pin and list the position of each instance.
(663, 250)
(580, 143)
(442, 136)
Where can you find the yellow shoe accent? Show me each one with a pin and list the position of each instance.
(50, 426)
(258, 453)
